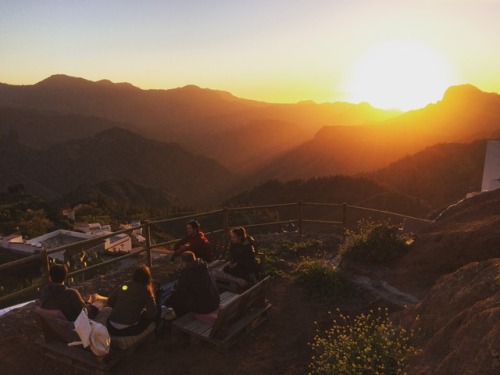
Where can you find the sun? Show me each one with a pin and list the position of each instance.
(403, 75)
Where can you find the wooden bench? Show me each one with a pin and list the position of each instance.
(238, 313)
(58, 332)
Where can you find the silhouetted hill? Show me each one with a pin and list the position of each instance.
(343, 150)
(250, 147)
(441, 174)
(335, 189)
(190, 115)
(40, 129)
(121, 195)
(464, 114)
(114, 154)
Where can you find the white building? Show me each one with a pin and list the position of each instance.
(96, 229)
(55, 239)
(121, 243)
(491, 174)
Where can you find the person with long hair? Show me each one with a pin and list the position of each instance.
(242, 257)
(134, 306)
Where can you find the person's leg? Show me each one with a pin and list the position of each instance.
(177, 303)
(103, 315)
(134, 330)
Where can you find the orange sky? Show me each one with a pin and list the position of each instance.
(390, 53)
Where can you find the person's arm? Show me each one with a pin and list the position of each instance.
(181, 243)
(113, 298)
(77, 302)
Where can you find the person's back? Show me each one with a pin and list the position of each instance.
(195, 291)
(128, 302)
(57, 296)
(133, 304)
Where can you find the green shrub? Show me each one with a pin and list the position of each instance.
(324, 282)
(367, 344)
(374, 242)
(277, 257)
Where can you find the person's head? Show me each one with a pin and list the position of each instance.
(238, 235)
(142, 275)
(58, 273)
(187, 258)
(192, 227)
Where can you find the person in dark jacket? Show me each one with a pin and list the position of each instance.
(195, 291)
(57, 296)
(242, 260)
(194, 241)
(133, 304)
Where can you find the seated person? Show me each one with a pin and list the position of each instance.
(242, 261)
(194, 241)
(57, 297)
(133, 304)
(195, 291)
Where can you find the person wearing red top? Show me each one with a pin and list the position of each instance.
(194, 241)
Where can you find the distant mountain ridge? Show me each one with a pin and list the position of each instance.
(465, 114)
(114, 154)
(332, 189)
(440, 174)
(121, 195)
(188, 115)
(41, 129)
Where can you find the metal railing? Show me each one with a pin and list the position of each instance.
(148, 246)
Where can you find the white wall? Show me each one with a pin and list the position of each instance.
(491, 174)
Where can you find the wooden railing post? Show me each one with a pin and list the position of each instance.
(148, 243)
(299, 204)
(344, 219)
(225, 212)
(45, 265)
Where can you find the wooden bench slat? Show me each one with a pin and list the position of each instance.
(54, 346)
(238, 313)
(244, 322)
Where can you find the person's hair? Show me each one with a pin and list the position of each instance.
(239, 232)
(142, 275)
(188, 257)
(194, 224)
(58, 273)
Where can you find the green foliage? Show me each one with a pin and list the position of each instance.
(366, 344)
(277, 257)
(324, 282)
(26, 214)
(374, 242)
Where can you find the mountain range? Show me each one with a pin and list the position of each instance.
(199, 146)
(113, 154)
(203, 121)
(464, 114)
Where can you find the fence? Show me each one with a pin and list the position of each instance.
(344, 213)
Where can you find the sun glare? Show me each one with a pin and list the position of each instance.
(399, 75)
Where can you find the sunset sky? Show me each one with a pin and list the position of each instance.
(390, 53)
